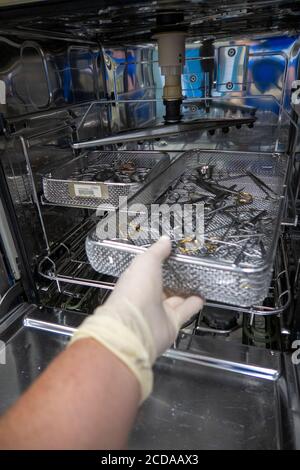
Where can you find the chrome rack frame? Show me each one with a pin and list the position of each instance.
(68, 263)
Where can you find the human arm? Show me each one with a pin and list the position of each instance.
(88, 397)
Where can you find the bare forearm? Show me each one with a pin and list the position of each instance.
(87, 398)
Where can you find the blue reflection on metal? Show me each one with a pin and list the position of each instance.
(266, 73)
(193, 77)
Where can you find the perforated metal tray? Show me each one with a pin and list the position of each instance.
(232, 276)
(74, 184)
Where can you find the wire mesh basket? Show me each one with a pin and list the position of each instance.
(101, 178)
(20, 188)
(243, 204)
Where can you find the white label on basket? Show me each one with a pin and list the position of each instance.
(85, 190)
(2, 92)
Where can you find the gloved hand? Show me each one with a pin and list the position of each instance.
(137, 322)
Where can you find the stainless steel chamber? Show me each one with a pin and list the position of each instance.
(83, 97)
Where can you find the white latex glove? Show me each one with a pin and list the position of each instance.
(137, 322)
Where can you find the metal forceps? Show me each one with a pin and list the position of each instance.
(262, 185)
